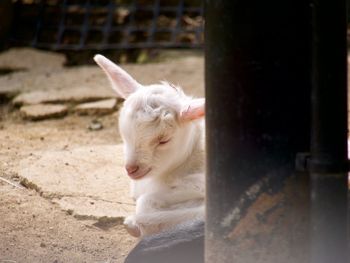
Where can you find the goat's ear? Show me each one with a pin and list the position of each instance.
(193, 110)
(121, 81)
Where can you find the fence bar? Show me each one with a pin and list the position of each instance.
(329, 133)
(258, 115)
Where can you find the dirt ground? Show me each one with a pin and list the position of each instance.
(32, 228)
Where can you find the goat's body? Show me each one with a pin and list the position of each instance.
(163, 136)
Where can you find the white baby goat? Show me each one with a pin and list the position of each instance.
(163, 132)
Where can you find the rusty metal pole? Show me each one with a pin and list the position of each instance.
(258, 89)
(328, 164)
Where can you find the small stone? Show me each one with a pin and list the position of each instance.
(42, 244)
(95, 125)
(43, 111)
(70, 212)
(97, 108)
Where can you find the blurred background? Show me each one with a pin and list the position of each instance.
(123, 29)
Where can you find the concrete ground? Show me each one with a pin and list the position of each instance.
(63, 190)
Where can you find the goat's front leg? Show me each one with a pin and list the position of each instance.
(157, 201)
(131, 226)
(147, 203)
(156, 222)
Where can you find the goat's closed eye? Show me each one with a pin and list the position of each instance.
(163, 141)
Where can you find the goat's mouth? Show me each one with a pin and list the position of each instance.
(139, 174)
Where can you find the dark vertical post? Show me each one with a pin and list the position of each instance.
(257, 106)
(6, 20)
(329, 92)
(329, 133)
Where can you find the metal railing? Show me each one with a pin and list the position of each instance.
(108, 24)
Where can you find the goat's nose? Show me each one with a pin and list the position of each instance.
(131, 168)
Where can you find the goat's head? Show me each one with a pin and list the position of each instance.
(154, 122)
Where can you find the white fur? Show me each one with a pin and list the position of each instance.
(163, 135)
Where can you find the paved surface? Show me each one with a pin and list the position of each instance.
(100, 107)
(87, 182)
(73, 95)
(43, 111)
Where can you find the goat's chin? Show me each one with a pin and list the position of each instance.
(140, 174)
